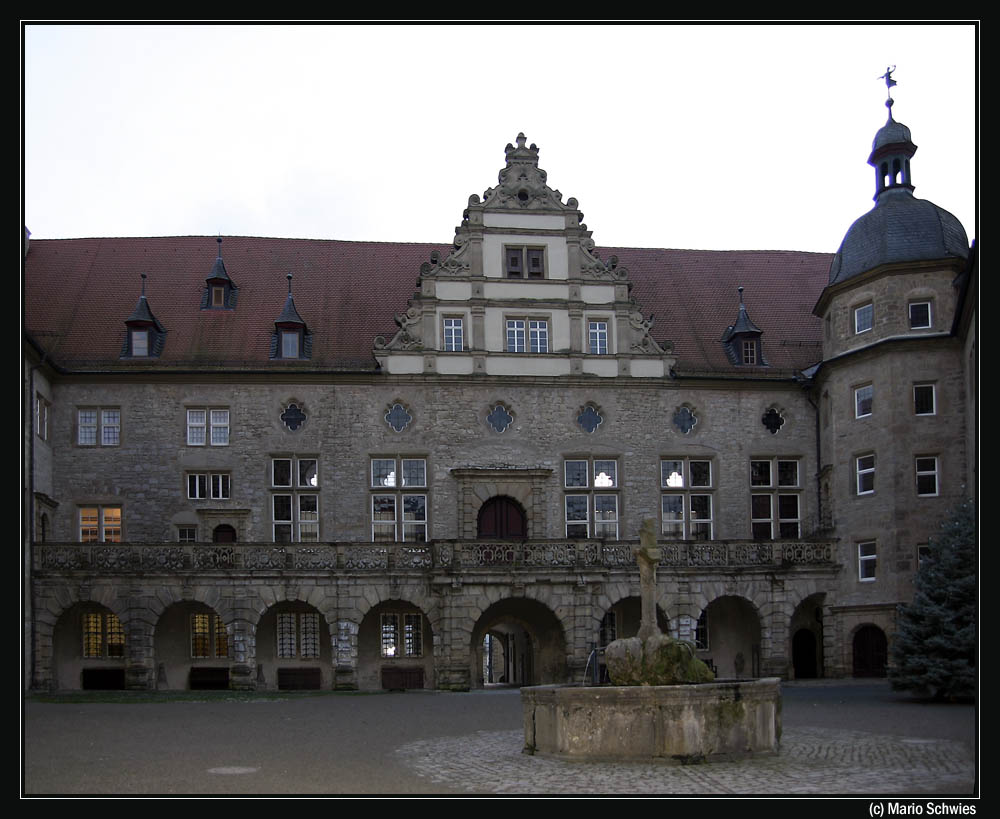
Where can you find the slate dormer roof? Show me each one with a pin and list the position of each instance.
(219, 277)
(142, 317)
(743, 329)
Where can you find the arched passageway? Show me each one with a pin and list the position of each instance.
(806, 629)
(191, 646)
(88, 649)
(526, 641)
(395, 647)
(729, 636)
(293, 648)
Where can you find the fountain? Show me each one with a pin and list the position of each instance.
(664, 702)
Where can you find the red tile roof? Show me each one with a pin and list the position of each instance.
(78, 293)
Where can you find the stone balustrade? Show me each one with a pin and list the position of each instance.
(451, 555)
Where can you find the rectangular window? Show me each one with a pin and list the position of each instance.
(609, 628)
(412, 643)
(515, 336)
(524, 262)
(749, 352)
(863, 401)
(777, 513)
(863, 318)
(924, 399)
(295, 514)
(208, 637)
(597, 337)
(208, 426)
(865, 468)
(920, 315)
(187, 534)
(387, 525)
(538, 336)
(140, 343)
(100, 524)
(298, 635)
(99, 427)
(867, 561)
(103, 635)
(454, 336)
(42, 408)
(218, 297)
(686, 506)
(927, 476)
(215, 486)
(290, 343)
(601, 506)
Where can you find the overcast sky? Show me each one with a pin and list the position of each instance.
(714, 137)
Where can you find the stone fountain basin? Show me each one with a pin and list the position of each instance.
(725, 719)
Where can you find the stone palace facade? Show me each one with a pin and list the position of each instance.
(270, 463)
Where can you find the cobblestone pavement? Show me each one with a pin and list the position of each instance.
(811, 761)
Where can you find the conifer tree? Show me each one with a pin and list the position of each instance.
(934, 650)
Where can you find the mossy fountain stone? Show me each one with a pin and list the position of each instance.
(663, 702)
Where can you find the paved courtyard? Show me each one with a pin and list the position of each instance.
(840, 737)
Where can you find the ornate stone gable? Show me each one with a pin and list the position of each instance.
(523, 293)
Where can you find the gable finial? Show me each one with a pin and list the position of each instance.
(889, 83)
(219, 240)
(740, 291)
(143, 276)
(289, 284)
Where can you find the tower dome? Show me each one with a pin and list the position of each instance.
(900, 228)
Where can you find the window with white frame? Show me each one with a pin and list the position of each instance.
(203, 485)
(139, 343)
(402, 634)
(863, 401)
(187, 534)
(516, 336)
(453, 334)
(927, 475)
(298, 635)
(867, 560)
(98, 426)
(103, 635)
(920, 315)
(863, 318)
(524, 262)
(924, 399)
(527, 335)
(591, 499)
(775, 498)
(687, 498)
(100, 524)
(295, 511)
(865, 473)
(208, 426)
(399, 515)
(597, 337)
(538, 335)
(208, 636)
(750, 352)
(42, 408)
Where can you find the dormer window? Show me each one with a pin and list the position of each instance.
(144, 335)
(524, 262)
(291, 339)
(220, 290)
(742, 340)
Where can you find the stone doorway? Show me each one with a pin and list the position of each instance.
(870, 652)
(502, 517)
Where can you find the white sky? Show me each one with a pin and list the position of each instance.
(683, 136)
